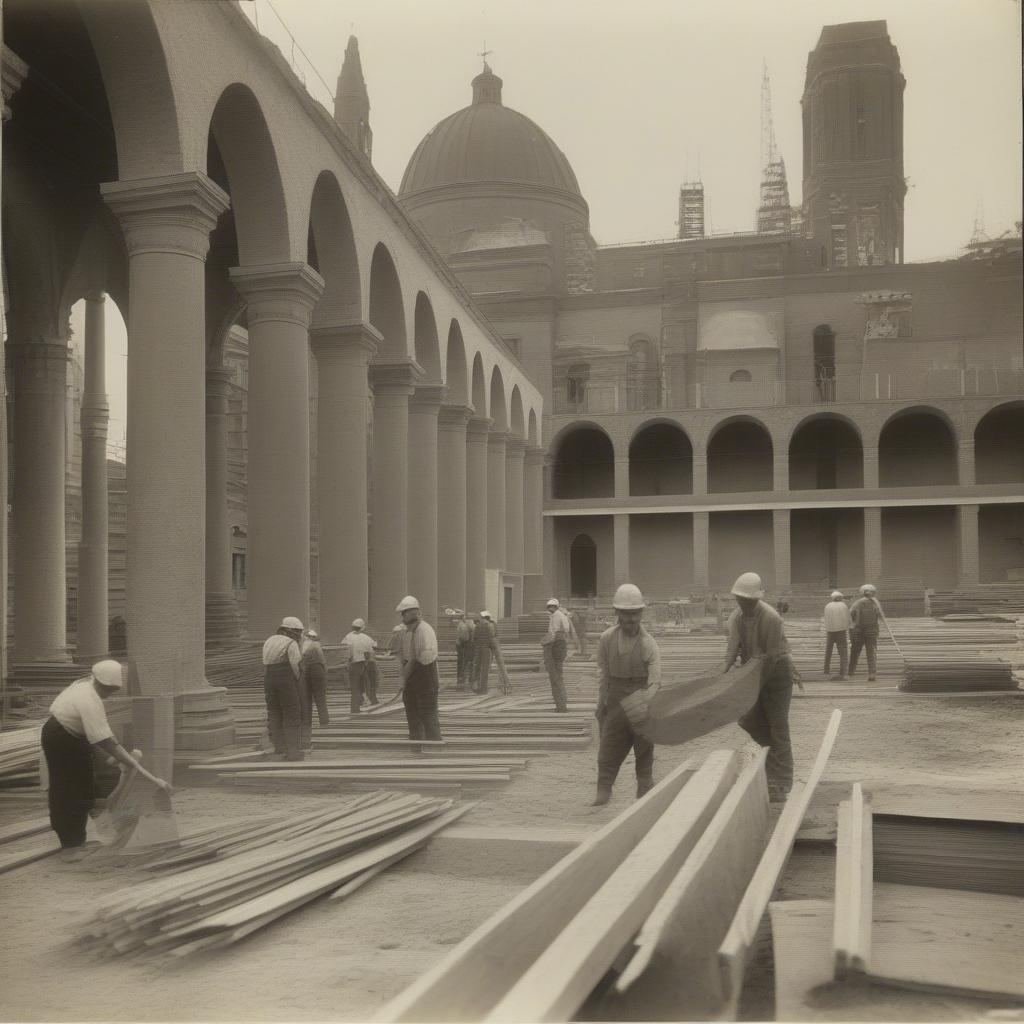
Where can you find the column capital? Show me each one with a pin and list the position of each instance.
(218, 381)
(427, 398)
(397, 378)
(329, 337)
(40, 366)
(278, 292)
(478, 427)
(96, 295)
(535, 455)
(14, 70)
(515, 447)
(498, 439)
(454, 417)
(174, 213)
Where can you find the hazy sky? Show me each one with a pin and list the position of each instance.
(635, 92)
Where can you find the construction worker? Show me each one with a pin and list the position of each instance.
(755, 629)
(484, 634)
(420, 683)
(313, 685)
(463, 651)
(282, 669)
(556, 645)
(627, 660)
(864, 615)
(579, 624)
(837, 626)
(77, 723)
(360, 659)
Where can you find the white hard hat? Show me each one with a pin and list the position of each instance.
(407, 603)
(290, 622)
(837, 595)
(312, 634)
(628, 598)
(748, 585)
(358, 624)
(485, 614)
(552, 602)
(109, 673)
(868, 588)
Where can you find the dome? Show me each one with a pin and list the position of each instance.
(487, 142)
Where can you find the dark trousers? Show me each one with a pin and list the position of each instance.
(356, 685)
(72, 785)
(420, 698)
(617, 739)
(463, 663)
(554, 658)
(868, 641)
(767, 722)
(313, 687)
(370, 681)
(836, 639)
(483, 669)
(284, 710)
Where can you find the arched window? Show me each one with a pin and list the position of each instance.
(825, 362)
(740, 377)
(644, 377)
(576, 383)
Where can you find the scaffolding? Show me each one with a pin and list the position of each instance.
(691, 209)
(774, 214)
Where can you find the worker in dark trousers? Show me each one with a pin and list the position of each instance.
(77, 724)
(360, 659)
(555, 646)
(756, 630)
(420, 683)
(837, 627)
(313, 686)
(282, 669)
(627, 660)
(463, 652)
(484, 632)
(865, 613)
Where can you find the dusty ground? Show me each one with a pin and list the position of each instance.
(344, 960)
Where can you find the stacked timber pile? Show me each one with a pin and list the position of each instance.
(251, 875)
(936, 673)
(19, 758)
(26, 842)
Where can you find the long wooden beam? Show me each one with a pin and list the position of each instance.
(851, 929)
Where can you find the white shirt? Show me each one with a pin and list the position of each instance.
(559, 624)
(837, 617)
(79, 708)
(279, 647)
(360, 646)
(419, 645)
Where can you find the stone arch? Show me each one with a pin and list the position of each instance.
(660, 459)
(825, 452)
(241, 141)
(583, 462)
(518, 421)
(387, 311)
(455, 376)
(531, 428)
(917, 448)
(999, 445)
(479, 394)
(740, 456)
(425, 343)
(331, 252)
(498, 403)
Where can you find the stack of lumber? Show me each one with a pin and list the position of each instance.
(260, 876)
(25, 842)
(937, 674)
(650, 918)
(19, 758)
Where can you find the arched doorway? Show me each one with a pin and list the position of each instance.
(583, 567)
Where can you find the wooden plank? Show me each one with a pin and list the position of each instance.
(358, 881)
(17, 858)
(851, 934)
(23, 829)
(802, 948)
(555, 986)
(735, 948)
(477, 972)
(672, 975)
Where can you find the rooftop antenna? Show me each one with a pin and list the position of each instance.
(485, 53)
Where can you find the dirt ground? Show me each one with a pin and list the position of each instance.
(344, 960)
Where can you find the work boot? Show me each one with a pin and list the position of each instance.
(643, 786)
(604, 794)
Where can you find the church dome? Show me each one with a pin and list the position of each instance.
(487, 142)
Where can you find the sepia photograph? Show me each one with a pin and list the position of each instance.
(514, 511)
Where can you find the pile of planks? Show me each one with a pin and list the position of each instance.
(252, 875)
(25, 842)
(651, 918)
(19, 758)
(938, 674)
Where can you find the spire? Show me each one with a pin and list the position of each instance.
(352, 102)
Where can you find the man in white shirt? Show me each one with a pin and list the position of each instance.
(282, 669)
(556, 645)
(360, 659)
(420, 683)
(837, 626)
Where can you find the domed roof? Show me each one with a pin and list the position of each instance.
(487, 142)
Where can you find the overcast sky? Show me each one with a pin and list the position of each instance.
(634, 92)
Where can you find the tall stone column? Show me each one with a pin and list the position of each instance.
(780, 468)
(621, 478)
(701, 530)
(477, 431)
(221, 609)
(167, 223)
(515, 538)
(872, 544)
(700, 472)
(451, 505)
(552, 566)
(968, 574)
(533, 500)
(424, 408)
(781, 526)
(93, 617)
(620, 530)
(393, 385)
(965, 463)
(343, 352)
(279, 303)
(40, 391)
(496, 518)
(871, 467)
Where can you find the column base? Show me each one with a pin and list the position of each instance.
(223, 625)
(203, 719)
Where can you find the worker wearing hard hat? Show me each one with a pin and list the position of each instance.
(463, 650)
(627, 660)
(556, 645)
(837, 626)
(282, 670)
(865, 613)
(312, 685)
(360, 658)
(420, 683)
(756, 630)
(77, 723)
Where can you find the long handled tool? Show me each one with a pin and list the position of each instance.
(892, 636)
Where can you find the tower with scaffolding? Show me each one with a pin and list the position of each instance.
(774, 214)
(691, 209)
